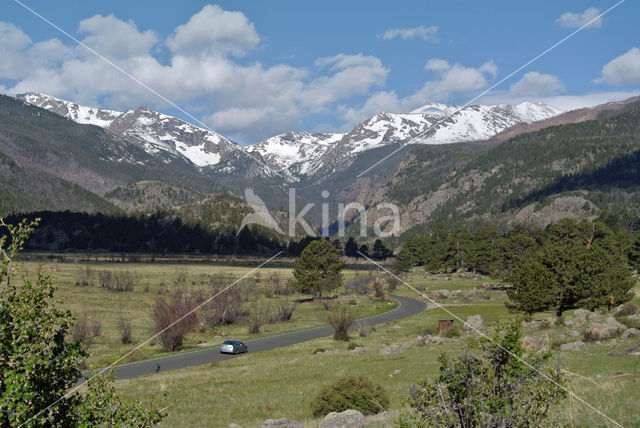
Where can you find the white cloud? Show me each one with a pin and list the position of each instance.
(13, 41)
(114, 38)
(450, 79)
(249, 101)
(535, 83)
(420, 32)
(214, 31)
(577, 20)
(622, 70)
(438, 65)
(454, 78)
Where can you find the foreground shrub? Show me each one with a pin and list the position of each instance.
(39, 364)
(495, 389)
(358, 393)
(341, 319)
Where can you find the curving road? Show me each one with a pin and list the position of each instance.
(406, 307)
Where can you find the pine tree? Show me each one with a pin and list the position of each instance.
(351, 248)
(363, 251)
(578, 267)
(318, 268)
(380, 252)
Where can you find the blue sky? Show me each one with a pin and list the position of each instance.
(252, 69)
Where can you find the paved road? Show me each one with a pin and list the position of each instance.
(406, 308)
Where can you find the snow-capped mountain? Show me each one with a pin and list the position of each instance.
(294, 156)
(76, 112)
(443, 124)
(158, 134)
(431, 124)
(294, 152)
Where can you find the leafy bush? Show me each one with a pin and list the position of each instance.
(318, 351)
(452, 332)
(497, 388)
(39, 365)
(341, 319)
(358, 393)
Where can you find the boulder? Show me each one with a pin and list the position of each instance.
(581, 314)
(605, 330)
(441, 294)
(232, 425)
(346, 419)
(531, 343)
(571, 346)
(394, 349)
(473, 323)
(281, 423)
(632, 332)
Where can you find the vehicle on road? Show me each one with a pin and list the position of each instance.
(233, 347)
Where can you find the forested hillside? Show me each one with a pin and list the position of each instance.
(574, 170)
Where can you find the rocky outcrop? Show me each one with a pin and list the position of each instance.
(474, 323)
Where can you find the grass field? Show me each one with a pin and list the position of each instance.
(282, 383)
(155, 280)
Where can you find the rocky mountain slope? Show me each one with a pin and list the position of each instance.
(162, 136)
(572, 170)
(298, 156)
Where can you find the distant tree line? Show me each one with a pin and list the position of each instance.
(162, 233)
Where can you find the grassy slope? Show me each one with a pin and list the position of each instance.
(282, 383)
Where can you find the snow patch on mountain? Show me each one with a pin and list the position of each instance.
(76, 112)
(298, 149)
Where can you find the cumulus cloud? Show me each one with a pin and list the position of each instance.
(623, 70)
(455, 78)
(535, 83)
(420, 32)
(114, 38)
(248, 101)
(450, 79)
(577, 20)
(214, 31)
